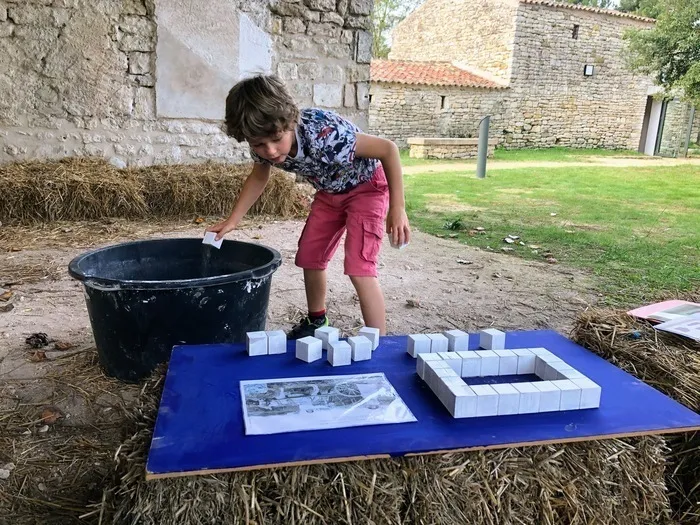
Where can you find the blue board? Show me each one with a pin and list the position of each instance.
(200, 426)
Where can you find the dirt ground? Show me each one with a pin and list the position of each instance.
(454, 286)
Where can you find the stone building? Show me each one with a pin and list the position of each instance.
(548, 74)
(145, 81)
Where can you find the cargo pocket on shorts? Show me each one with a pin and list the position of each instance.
(372, 234)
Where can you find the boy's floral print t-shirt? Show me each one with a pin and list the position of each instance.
(326, 153)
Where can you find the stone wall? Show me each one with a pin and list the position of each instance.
(441, 148)
(549, 101)
(78, 77)
(478, 33)
(399, 111)
(553, 102)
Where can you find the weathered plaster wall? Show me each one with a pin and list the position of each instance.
(143, 81)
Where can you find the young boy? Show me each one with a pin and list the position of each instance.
(354, 194)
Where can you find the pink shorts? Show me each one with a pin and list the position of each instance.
(361, 212)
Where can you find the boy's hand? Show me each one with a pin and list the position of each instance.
(397, 226)
(222, 228)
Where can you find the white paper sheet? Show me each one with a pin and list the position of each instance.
(688, 326)
(273, 406)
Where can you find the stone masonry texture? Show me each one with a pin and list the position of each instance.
(77, 77)
(476, 32)
(535, 51)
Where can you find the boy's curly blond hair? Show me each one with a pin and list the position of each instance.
(259, 107)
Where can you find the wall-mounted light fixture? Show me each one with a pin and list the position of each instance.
(588, 70)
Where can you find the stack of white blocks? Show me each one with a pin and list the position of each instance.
(340, 353)
(454, 341)
(450, 341)
(562, 387)
(265, 343)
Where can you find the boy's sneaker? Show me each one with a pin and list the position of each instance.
(306, 327)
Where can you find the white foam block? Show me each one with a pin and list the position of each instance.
(492, 339)
(452, 359)
(489, 362)
(487, 400)
(550, 396)
(276, 342)
(438, 343)
(526, 361)
(442, 374)
(339, 353)
(542, 366)
(327, 335)
(570, 394)
(256, 343)
(590, 392)
(508, 399)
(418, 344)
(372, 334)
(555, 370)
(552, 374)
(437, 380)
(457, 340)
(465, 402)
(398, 246)
(471, 364)
(434, 370)
(210, 238)
(571, 374)
(361, 348)
(550, 358)
(420, 363)
(445, 394)
(431, 368)
(540, 351)
(507, 362)
(309, 349)
(459, 399)
(529, 398)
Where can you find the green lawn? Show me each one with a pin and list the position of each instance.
(638, 229)
(548, 154)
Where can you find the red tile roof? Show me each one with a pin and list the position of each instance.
(426, 73)
(612, 12)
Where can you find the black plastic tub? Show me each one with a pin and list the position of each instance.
(144, 297)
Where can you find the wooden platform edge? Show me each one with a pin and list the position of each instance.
(151, 476)
(601, 437)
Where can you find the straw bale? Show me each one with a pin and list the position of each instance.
(670, 364)
(89, 468)
(610, 481)
(73, 188)
(89, 189)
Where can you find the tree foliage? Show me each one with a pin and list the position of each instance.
(649, 8)
(385, 16)
(670, 51)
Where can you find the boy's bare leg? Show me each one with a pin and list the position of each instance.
(315, 284)
(371, 302)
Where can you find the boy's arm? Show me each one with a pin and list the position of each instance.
(369, 146)
(252, 189)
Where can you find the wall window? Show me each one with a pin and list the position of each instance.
(443, 102)
(574, 33)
